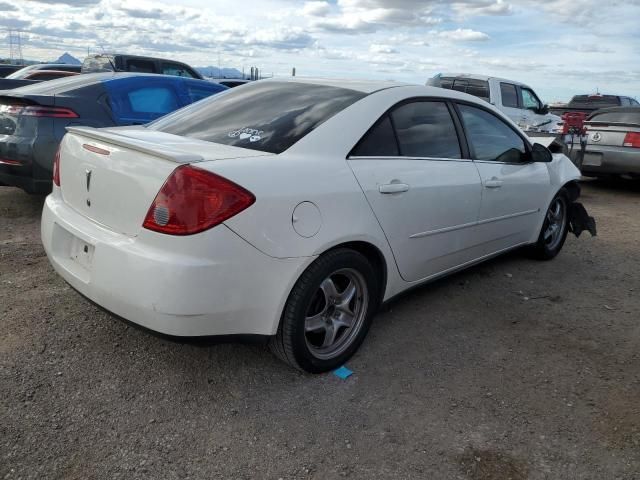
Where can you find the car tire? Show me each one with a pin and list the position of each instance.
(554, 228)
(328, 312)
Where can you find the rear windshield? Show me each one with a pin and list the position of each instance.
(101, 63)
(268, 116)
(616, 117)
(598, 101)
(477, 88)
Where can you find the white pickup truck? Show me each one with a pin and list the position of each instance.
(516, 100)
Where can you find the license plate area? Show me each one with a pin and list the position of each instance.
(81, 252)
(592, 159)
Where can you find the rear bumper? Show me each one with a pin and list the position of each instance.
(11, 175)
(209, 284)
(611, 160)
(31, 162)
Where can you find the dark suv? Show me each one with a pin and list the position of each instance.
(115, 62)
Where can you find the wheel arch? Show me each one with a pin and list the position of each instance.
(371, 253)
(573, 189)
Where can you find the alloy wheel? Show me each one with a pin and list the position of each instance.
(336, 313)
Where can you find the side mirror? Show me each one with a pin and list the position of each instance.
(540, 153)
(543, 110)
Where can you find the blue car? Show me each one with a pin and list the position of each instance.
(33, 119)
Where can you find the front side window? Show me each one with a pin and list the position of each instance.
(380, 141)
(267, 116)
(176, 70)
(490, 138)
(426, 129)
(529, 99)
(509, 95)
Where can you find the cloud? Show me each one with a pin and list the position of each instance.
(316, 8)
(7, 7)
(377, 48)
(71, 3)
(464, 35)
(482, 7)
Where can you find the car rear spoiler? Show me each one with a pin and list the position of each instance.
(136, 144)
(604, 123)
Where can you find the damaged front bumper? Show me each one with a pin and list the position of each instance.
(579, 220)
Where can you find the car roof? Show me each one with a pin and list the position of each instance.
(364, 86)
(61, 85)
(475, 76)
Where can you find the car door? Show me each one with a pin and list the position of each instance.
(514, 189)
(511, 106)
(421, 185)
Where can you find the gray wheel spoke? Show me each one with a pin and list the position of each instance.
(344, 299)
(329, 289)
(330, 335)
(344, 319)
(315, 323)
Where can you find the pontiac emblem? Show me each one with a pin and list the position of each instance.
(596, 137)
(88, 174)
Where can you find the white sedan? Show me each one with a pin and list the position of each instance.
(290, 209)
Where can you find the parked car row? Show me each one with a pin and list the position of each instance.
(34, 118)
(515, 99)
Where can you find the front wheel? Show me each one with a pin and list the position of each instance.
(554, 229)
(328, 312)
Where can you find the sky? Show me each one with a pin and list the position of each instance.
(558, 47)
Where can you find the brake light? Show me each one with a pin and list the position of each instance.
(56, 168)
(632, 139)
(38, 111)
(193, 200)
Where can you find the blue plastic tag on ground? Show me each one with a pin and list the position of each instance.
(343, 373)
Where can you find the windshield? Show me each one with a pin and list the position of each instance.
(18, 74)
(268, 116)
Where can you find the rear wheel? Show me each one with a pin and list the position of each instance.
(554, 229)
(328, 312)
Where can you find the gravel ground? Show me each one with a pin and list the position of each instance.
(514, 369)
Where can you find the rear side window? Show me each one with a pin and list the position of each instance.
(509, 95)
(426, 129)
(143, 66)
(380, 141)
(152, 100)
(267, 116)
(477, 88)
(137, 100)
(490, 137)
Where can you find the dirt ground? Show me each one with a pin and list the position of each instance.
(514, 369)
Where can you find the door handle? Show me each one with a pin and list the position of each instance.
(393, 188)
(493, 183)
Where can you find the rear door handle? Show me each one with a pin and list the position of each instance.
(393, 188)
(493, 183)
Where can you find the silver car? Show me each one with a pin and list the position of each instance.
(613, 143)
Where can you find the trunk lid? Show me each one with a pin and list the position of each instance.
(112, 175)
(610, 134)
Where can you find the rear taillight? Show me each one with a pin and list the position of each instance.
(38, 111)
(632, 139)
(193, 200)
(56, 168)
